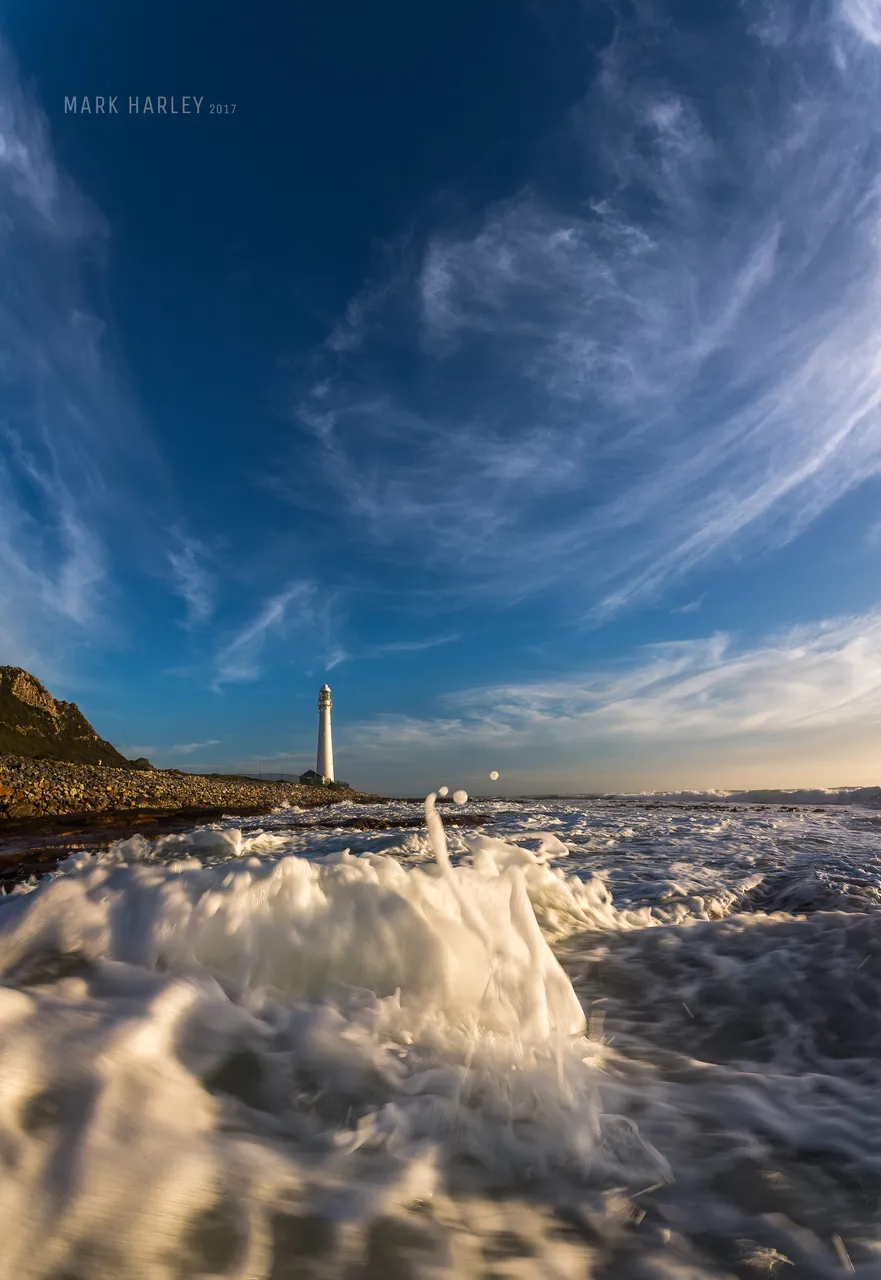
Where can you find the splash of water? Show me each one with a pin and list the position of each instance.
(201, 1045)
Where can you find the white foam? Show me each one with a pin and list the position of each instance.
(209, 1034)
(870, 796)
(378, 1021)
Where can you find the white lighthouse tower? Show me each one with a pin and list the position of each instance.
(325, 741)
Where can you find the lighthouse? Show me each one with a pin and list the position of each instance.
(325, 741)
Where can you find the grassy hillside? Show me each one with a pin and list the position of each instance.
(36, 725)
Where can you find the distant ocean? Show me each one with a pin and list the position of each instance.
(618, 1037)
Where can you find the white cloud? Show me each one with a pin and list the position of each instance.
(51, 561)
(69, 439)
(416, 646)
(335, 657)
(189, 748)
(191, 581)
(818, 677)
(630, 383)
(51, 570)
(302, 610)
(864, 16)
(181, 749)
(239, 659)
(691, 607)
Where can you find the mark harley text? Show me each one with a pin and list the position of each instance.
(160, 105)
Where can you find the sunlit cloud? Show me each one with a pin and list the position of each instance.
(712, 695)
(133, 752)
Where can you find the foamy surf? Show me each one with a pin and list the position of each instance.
(276, 1050)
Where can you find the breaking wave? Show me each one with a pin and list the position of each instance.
(254, 1052)
(867, 796)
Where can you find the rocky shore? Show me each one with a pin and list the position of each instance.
(32, 789)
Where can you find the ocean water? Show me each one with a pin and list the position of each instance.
(628, 1037)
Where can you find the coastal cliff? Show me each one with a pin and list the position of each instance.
(37, 726)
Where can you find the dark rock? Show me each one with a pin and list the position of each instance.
(386, 824)
(142, 764)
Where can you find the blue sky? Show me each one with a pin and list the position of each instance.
(513, 366)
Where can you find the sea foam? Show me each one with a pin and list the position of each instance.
(635, 1038)
(197, 1045)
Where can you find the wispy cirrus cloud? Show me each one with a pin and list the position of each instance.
(303, 610)
(180, 749)
(63, 571)
(69, 436)
(50, 583)
(864, 16)
(691, 607)
(52, 562)
(673, 355)
(239, 658)
(191, 580)
(336, 656)
(416, 646)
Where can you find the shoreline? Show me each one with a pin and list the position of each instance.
(35, 846)
(49, 808)
(35, 790)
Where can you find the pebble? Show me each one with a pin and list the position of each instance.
(38, 788)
